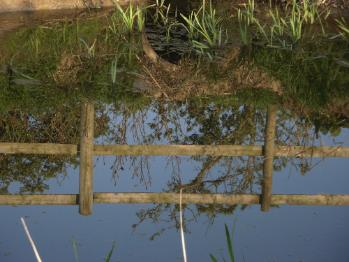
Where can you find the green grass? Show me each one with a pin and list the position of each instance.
(113, 70)
(131, 16)
(229, 242)
(309, 74)
(283, 28)
(343, 27)
(310, 11)
(162, 12)
(243, 28)
(250, 11)
(35, 54)
(140, 19)
(204, 28)
(110, 253)
(76, 252)
(90, 48)
(296, 20)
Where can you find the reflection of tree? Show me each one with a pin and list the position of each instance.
(32, 172)
(58, 125)
(215, 123)
(211, 123)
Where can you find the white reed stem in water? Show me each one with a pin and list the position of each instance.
(181, 227)
(38, 258)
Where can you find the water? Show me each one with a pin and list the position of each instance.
(218, 96)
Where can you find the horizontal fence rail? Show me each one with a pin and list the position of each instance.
(171, 150)
(168, 198)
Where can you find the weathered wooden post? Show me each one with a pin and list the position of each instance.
(268, 149)
(86, 158)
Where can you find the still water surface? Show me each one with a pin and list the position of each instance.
(46, 73)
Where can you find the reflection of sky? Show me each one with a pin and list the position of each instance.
(284, 234)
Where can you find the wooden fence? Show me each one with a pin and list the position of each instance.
(87, 150)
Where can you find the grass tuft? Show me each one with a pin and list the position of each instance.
(204, 28)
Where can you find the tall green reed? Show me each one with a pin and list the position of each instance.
(243, 28)
(282, 30)
(90, 49)
(229, 241)
(204, 27)
(343, 27)
(76, 251)
(130, 16)
(113, 70)
(296, 21)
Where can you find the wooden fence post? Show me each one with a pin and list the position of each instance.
(86, 158)
(267, 183)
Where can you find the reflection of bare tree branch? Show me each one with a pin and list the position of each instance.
(197, 183)
(173, 123)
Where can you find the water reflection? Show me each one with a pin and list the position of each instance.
(219, 99)
(191, 123)
(48, 72)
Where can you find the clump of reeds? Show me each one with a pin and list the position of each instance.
(130, 17)
(343, 28)
(204, 27)
(282, 30)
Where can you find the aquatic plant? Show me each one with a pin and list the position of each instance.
(296, 68)
(76, 251)
(161, 12)
(90, 49)
(35, 43)
(113, 71)
(296, 21)
(310, 11)
(343, 27)
(140, 19)
(281, 30)
(243, 28)
(229, 241)
(204, 27)
(110, 253)
(129, 16)
(278, 24)
(113, 24)
(249, 11)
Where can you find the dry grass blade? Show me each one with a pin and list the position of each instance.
(184, 251)
(37, 256)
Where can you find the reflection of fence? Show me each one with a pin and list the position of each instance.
(87, 150)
